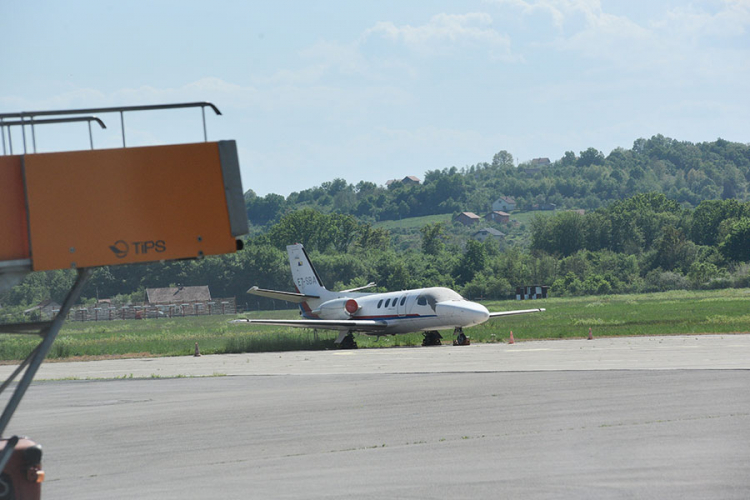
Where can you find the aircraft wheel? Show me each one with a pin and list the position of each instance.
(348, 342)
(461, 338)
(432, 338)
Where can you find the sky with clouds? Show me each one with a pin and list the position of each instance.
(312, 91)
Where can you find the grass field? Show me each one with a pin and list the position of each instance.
(670, 313)
(413, 222)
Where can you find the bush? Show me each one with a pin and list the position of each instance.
(662, 281)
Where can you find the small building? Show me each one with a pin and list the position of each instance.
(488, 232)
(540, 161)
(467, 218)
(544, 206)
(531, 292)
(45, 309)
(504, 204)
(498, 216)
(181, 294)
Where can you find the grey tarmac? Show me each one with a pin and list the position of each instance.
(650, 417)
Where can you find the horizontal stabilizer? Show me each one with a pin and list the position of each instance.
(359, 325)
(369, 285)
(513, 313)
(288, 296)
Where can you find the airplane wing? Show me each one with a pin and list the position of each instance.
(513, 313)
(275, 294)
(357, 325)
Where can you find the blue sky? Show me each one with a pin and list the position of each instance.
(312, 91)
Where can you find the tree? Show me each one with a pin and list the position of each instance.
(590, 157)
(472, 261)
(503, 159)
(736, 244)
(432, 243)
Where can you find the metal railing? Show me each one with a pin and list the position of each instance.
(23, 123)
(29, 119)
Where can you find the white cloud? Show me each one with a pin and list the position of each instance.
(732, 20)
(445, 34)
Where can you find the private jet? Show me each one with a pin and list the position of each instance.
(351, 311)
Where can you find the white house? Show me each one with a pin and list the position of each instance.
(504, 204)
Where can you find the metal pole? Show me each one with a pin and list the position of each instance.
(2, 132)
(44, 347)
(19, 369)
(10, 141)
(33, 134)
(122, 125)
(205, 135)
(8, 451)
(23, 135)
(91, 137)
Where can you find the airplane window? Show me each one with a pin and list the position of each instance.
(403, 299)
(380, 303)
(422, 301)
(387, 302)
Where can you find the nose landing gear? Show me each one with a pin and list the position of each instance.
(462, 339)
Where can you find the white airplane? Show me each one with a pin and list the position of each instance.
(422, 310)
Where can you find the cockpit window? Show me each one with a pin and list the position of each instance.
(432, 296)
(442, 294)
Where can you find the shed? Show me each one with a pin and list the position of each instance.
(488, 232)
(467, 218)
(498, 216)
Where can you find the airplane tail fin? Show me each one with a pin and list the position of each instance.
(305, 277)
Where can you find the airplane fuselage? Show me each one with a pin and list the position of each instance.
(422, 309)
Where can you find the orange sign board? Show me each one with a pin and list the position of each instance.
(14, 231)
(121, 206)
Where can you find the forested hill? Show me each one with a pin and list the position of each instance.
(685, 172)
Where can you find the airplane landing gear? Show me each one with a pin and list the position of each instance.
(348, 342)
(432, 338)
(462, 339)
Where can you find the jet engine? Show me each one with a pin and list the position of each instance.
(337, 309)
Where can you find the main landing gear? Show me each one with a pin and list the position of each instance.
(432, 338)
(462, 339)
(348, 342)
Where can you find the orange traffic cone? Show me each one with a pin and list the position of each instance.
(511, 341)
(197, 352)
(591, 337)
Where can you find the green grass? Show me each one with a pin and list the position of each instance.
(670, 313)
(527, 217)
(413, 222)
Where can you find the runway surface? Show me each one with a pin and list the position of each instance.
(661, 418)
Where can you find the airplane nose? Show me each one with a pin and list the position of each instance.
(464, 313)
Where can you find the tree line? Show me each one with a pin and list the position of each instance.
(647, 242)
(684, 172)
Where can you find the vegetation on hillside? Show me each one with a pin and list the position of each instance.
(685, 172)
